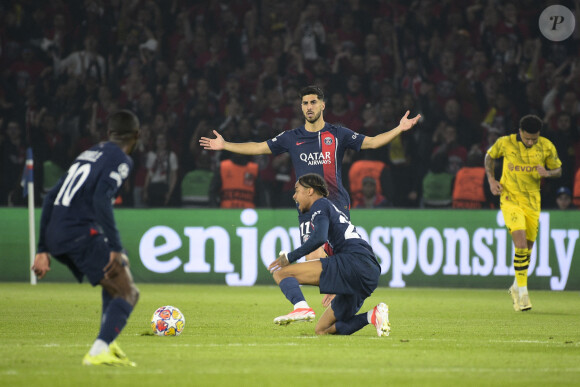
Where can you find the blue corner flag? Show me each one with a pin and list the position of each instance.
(27, 174)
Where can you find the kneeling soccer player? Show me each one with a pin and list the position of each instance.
(352, 273)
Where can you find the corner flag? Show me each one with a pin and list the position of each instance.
(28, 190)
(28, 173)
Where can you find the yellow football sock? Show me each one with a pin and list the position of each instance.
(521, 264)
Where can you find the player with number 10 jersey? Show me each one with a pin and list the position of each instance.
(77, 228)
(82, 204)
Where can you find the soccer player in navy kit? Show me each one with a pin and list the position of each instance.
(352, 273)
(77, 227)
(317, 147)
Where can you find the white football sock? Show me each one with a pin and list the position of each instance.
(98, 347)
(523, 290)
(301, 304)
(370, 316)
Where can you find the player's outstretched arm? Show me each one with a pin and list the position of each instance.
(217, 143)
(373, 142)
(244, 148)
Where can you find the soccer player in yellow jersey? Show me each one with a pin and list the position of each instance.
(527, 158)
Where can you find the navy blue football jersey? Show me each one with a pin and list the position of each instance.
(81, 204)
(330, 224)
(320, 152)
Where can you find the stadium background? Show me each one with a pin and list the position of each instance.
(189, 67)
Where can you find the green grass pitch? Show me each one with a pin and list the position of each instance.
(439, 337)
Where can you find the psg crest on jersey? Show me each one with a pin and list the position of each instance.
(328, 140)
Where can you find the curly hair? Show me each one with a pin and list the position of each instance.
(531, 124)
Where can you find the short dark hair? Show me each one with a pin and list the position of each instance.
(315, 181)
(122, 125)
(531, 124)
(310, 90)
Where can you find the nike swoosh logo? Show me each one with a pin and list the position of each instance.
(300, 143)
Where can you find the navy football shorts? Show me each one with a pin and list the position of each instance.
(352, 277)
(88, 258)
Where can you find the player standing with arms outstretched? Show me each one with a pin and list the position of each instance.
(526, 157)
(317, 147)
(78, 228)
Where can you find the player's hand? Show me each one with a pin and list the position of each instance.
(542, 171)
(279, 262)
(41, 264)
(117, 262)
(217, 143)
(406, 123)
(495, 187)
(327, 299)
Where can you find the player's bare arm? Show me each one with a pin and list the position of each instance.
(494, 185)
(543, 172)
(243, 148)
(373, 142)
(41, 264)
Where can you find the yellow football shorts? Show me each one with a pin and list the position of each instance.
(518, 218)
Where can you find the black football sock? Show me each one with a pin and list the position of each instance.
(349, 327)
(291, 289)
(115, 319)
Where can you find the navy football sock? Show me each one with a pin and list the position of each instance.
(106, 297)
(291, 289)
(352, 325)
(115, 319)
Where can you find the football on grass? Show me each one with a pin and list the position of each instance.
(167, 321)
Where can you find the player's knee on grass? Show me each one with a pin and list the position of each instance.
(323, 329)
(326, 323)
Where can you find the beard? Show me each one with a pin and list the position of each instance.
(313, 119)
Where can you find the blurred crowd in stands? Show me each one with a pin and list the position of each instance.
(472, 69)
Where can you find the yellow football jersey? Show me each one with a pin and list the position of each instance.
(520, 178)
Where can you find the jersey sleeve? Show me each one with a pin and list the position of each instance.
(350, 138)
(118, 172)
(280, 143)
(320, 223)
(103, 197)
(497, 150)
